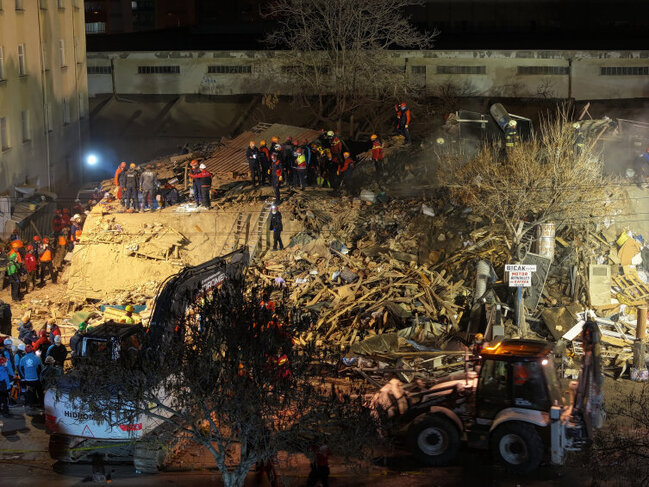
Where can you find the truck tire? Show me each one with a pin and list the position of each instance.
(517, 446)
(434, 440)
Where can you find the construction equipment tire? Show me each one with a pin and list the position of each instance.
(434, 440)
(517, 446)
(149, 457)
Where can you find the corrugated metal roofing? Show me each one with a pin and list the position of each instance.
(231, 158)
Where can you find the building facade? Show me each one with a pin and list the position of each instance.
(43, 94)
(581, 75)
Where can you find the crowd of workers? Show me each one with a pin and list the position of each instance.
(30, 263)
(32, 361)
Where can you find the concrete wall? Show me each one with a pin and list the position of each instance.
(574, 74)
(52, 93)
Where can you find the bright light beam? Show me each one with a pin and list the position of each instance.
(92, 159)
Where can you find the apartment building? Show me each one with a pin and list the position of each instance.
(43, 94)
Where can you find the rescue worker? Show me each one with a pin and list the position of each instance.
(478, 343)
(58, 351)
(46, 262)
(30, 372)
(75, 231)
(61, 249)
(511, 135)
(404, 122)
(17, 247)
(57, 223)
(5, 387)
(396, 118)
(119, 179)
(288, 158)
(65, 214)
(31, 268)
(253, 164)
(300, 168)
(51, 372)
(148, 186)
(5, 318)
(196, 187)
(377, 155)
(204, 178)
(6, 351)
(132, 183)
(275, 147)
(345, 170)
(76, 341)
(14, 270)
(26, 332)
(43, 343)
(276, 226)
(579, 138)
(37, 245)
(263, 158)
(53, 329)
(336, 146)
(129, 314)
(276, 173)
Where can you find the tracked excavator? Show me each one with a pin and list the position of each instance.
(509, 401)
(74, 434)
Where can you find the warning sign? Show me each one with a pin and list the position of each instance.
(520, 279)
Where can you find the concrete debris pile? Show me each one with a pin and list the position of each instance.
(354, 297)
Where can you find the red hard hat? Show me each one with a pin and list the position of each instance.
(46, 240)
(58, 212)
(299, 150)
(36, 238)
(193, 163)
(29, 247)
(403, 104)
(66, 211)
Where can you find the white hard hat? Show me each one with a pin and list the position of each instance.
(273, 207)
(512, 123)
(7, 342)
(330, 133)
(576, 125)
(76, 216)
(440, 140)
(202, 166)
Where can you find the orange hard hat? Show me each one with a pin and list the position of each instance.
(345, 154)
(403, 104)
(36, 238)
(252, 143)
(46, 240)
(275, 139)
(194, 162)
(374, 137)
(262, 142)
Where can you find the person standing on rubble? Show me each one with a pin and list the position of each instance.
(14, 270)
(377, 155)
(288, 158)
(511, 135)
(132, 184)
(253, 164)
(404, 122)
(45, 260)
(76, 340)
(276, 226)
(119, 194)
(57, 223)
(58, 351)
(345, 170)
(31, 267)
(5, 387)
(300, 169)
(30, 372)
(263, 158)
(204, 178)
(276, 175)
(196, 187)
(148, 186)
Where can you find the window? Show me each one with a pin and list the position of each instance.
(22, 71)
(625, 71)
(62, 53)
(418, 69)
(66, 111)
(461, 70)
(24, 118)
(100, 69)
(543, 70)
(95, 27)
(60, 4)
(43, 4)
(19, 5)
(529, 386)
(229, 69)
(493, 388)
(158, 70)
(4, 134)
(2, 64)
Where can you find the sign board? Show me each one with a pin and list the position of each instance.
(520, 275)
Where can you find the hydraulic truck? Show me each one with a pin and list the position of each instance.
(512, 405)
(74, 434)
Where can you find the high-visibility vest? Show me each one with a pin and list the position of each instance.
(77, 234)
(46, 256)
(17, 244)
(62, 241)
(18, 257)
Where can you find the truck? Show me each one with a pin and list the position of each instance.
(76, 435)
(511, 403)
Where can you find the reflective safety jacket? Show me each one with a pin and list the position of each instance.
(377, 151)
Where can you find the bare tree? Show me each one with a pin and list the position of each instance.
(338, 51)
(229, 379)
(545, 179)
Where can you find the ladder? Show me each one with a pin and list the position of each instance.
(260, 228)
(236, 232)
